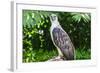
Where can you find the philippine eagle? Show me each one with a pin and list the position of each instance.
(61, 40)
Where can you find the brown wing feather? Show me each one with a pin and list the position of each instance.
(63, 42)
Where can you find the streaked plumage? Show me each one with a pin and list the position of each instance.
(61, 40)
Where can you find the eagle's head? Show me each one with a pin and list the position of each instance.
(53, 18)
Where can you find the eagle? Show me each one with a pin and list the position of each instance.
(61, 40)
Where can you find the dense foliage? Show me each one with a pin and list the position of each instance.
(37, 43)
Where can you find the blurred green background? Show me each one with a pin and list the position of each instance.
(37, 43)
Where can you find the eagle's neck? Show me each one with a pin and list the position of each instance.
(55, 24)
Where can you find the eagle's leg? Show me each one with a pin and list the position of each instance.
(60, 56)
(57, 58)
(59, 52)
